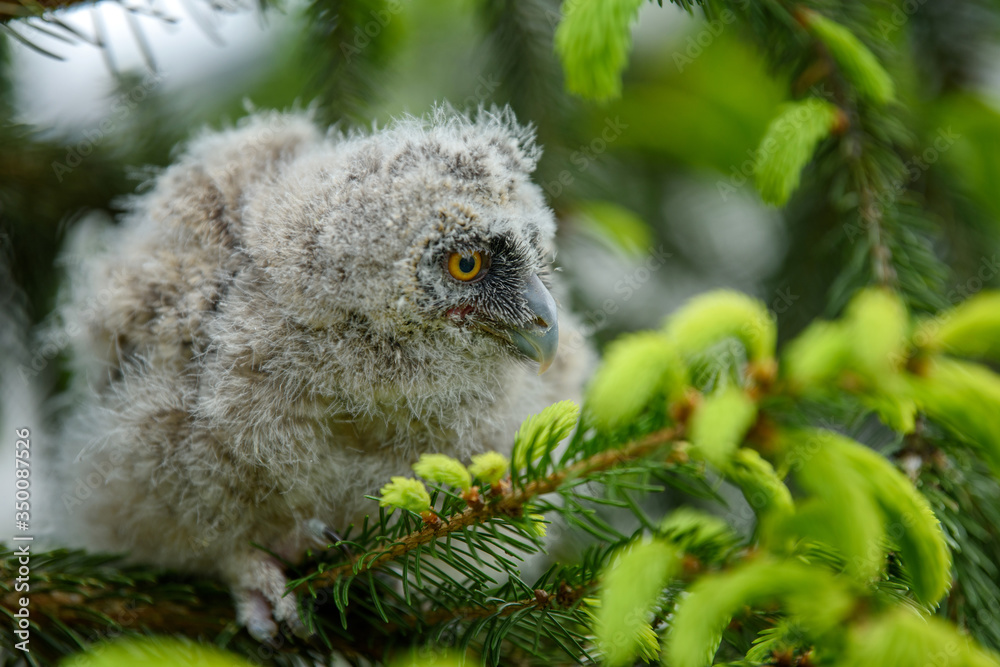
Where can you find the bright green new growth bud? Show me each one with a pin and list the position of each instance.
(154, 652)
(860, 65)
(858, 499)
(593, 40)
(904, 638)
(636, 368)
(788, 145)
(690, 529)
(632, 584)
(811, 594)
(898, 412)
(871, 341)
(405, 493)
(911, 522)
(489, 467)
(719, 425)
(443, 470)
(648, 643)
(970, 329)
(877, 324)
(764, 490)
(536, 524)
(818, 354)
(839, 509)
(965, 398)
(710, 318)
(540, 433)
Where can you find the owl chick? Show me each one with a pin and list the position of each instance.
(287, 318)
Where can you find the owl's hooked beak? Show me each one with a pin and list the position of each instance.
(539, 339)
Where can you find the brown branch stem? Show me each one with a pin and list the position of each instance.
(509, 503)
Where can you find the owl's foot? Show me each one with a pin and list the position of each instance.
(262, 600)
(260, 589)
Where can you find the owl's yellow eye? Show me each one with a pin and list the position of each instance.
(465, 267)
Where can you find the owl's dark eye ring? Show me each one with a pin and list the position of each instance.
(466, 267)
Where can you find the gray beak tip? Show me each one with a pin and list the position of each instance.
(539, 339)
(544, 365)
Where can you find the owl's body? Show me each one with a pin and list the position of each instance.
(276, 334)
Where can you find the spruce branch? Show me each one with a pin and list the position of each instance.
(510, 502)
(567, 597)
(834, 63)
(870, 211)
(90, 608)
(755, 430)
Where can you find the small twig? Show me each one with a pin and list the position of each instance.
(871, 215)
(869, 211)
(510, 503)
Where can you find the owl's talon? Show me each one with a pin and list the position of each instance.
(325, 536)
(334, 540)
(253, 611)
(263, 632)
(262, 599)
(298, 628)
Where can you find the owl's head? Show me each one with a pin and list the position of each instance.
(430, 227)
